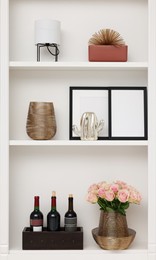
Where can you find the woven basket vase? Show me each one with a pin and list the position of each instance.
(41, 122)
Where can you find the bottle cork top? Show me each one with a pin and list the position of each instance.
(70, 195)
(53, 193)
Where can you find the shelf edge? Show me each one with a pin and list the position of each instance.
(17, 65)
(76, 143)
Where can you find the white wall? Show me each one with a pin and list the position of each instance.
(79, 21)
(67, 170)
(26, 86)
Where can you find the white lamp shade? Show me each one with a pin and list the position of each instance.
(47, 31)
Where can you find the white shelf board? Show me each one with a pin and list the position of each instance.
(76, 143)
(19, 65)
(77, 254)
(80, 252)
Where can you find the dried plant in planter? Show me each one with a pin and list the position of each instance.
(106, 37)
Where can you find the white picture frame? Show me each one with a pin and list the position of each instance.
(89, 99)
(128, 113)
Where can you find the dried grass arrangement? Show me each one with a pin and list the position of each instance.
(107, 45)
(106, 37)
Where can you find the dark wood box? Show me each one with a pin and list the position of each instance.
(47, 240)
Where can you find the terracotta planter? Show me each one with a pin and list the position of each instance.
(107, 53)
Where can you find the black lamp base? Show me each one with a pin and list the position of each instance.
(48, 45)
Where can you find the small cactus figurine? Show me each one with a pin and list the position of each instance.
(89, 127)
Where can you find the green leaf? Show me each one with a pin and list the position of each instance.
(124, 205)
(101, 204)
(122, 211)
(109, 209)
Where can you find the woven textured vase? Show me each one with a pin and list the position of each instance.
(41, 122)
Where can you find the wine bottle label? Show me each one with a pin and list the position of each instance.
(53, 223)
(36, 222)
(70, 224)
(37, 229)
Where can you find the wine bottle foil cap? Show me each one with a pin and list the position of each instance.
(54, 193)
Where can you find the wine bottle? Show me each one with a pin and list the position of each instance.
(36, 217)
(70, 218)
(53, 217)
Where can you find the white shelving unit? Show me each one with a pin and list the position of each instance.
(29, 167)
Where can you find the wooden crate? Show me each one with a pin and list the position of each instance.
(47, 240)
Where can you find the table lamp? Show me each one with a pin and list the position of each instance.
(47, 34)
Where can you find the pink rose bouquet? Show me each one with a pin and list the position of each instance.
(115, 196)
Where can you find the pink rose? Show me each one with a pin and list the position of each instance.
(109, 195)
(114, 187)
(104, 185)
(123, 195)
(91, 197)
(100, 184)
(122, 184)
(93, 188)
(135, 197)
(101, 193)
(118, 191)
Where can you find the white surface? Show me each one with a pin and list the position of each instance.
(16, 65)
(127, 113)
(90, 253)
(62, 169)
(76, 143)
(4, 129)
(77, 27)
(95, 101)
(53, 86)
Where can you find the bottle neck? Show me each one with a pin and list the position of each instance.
(53, 203)
(36, 203)
(70, 204)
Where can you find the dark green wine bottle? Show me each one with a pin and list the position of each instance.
(36, 217)
(53, 217)
(70, 218)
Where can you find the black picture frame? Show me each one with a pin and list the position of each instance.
(124, 110)
(97, 97)
(134, 127)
